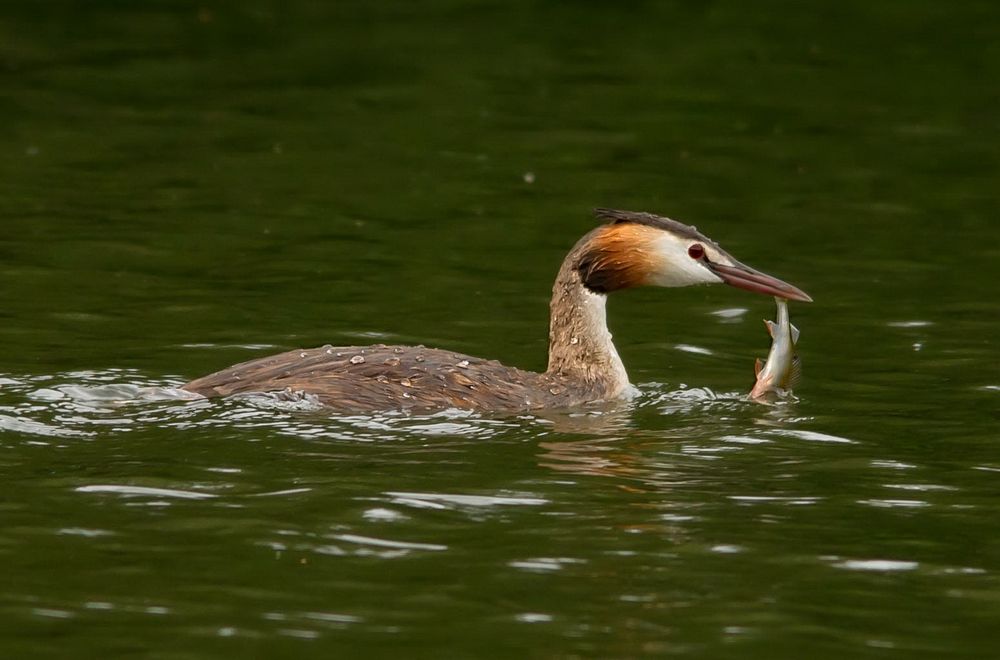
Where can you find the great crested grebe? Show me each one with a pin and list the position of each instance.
(630, 249)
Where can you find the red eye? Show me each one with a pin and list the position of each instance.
(696, 251)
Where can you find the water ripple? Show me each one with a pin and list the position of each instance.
(544, 564)
(31, 427)
(133, 491)
(730, 315)
(89, 533)
(884, 565)
(439, 500)
(697, 350)
(812, 436)
(919, 487)
(895, 504)
(386, 543)
(909, 324)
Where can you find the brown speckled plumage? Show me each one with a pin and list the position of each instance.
(379, 377)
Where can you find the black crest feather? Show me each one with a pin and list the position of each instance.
(618, 217)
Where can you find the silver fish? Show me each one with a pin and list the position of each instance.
(781, 371)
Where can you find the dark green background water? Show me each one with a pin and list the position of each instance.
(184, 186)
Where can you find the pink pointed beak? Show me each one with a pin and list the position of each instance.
(744, 277)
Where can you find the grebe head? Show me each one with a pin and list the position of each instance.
(636, 249)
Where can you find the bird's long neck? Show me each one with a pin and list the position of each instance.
(580, 346)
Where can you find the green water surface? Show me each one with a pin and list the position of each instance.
(185, 185)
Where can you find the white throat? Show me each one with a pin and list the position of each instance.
(596, 314)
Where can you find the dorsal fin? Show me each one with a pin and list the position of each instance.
(795, 334)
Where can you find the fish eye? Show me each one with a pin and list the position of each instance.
(696, 251)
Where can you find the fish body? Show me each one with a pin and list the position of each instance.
(779, 373)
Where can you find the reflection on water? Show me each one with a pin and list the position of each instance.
(596, 457)
(713, 486)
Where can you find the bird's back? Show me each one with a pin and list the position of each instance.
(369, 378)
